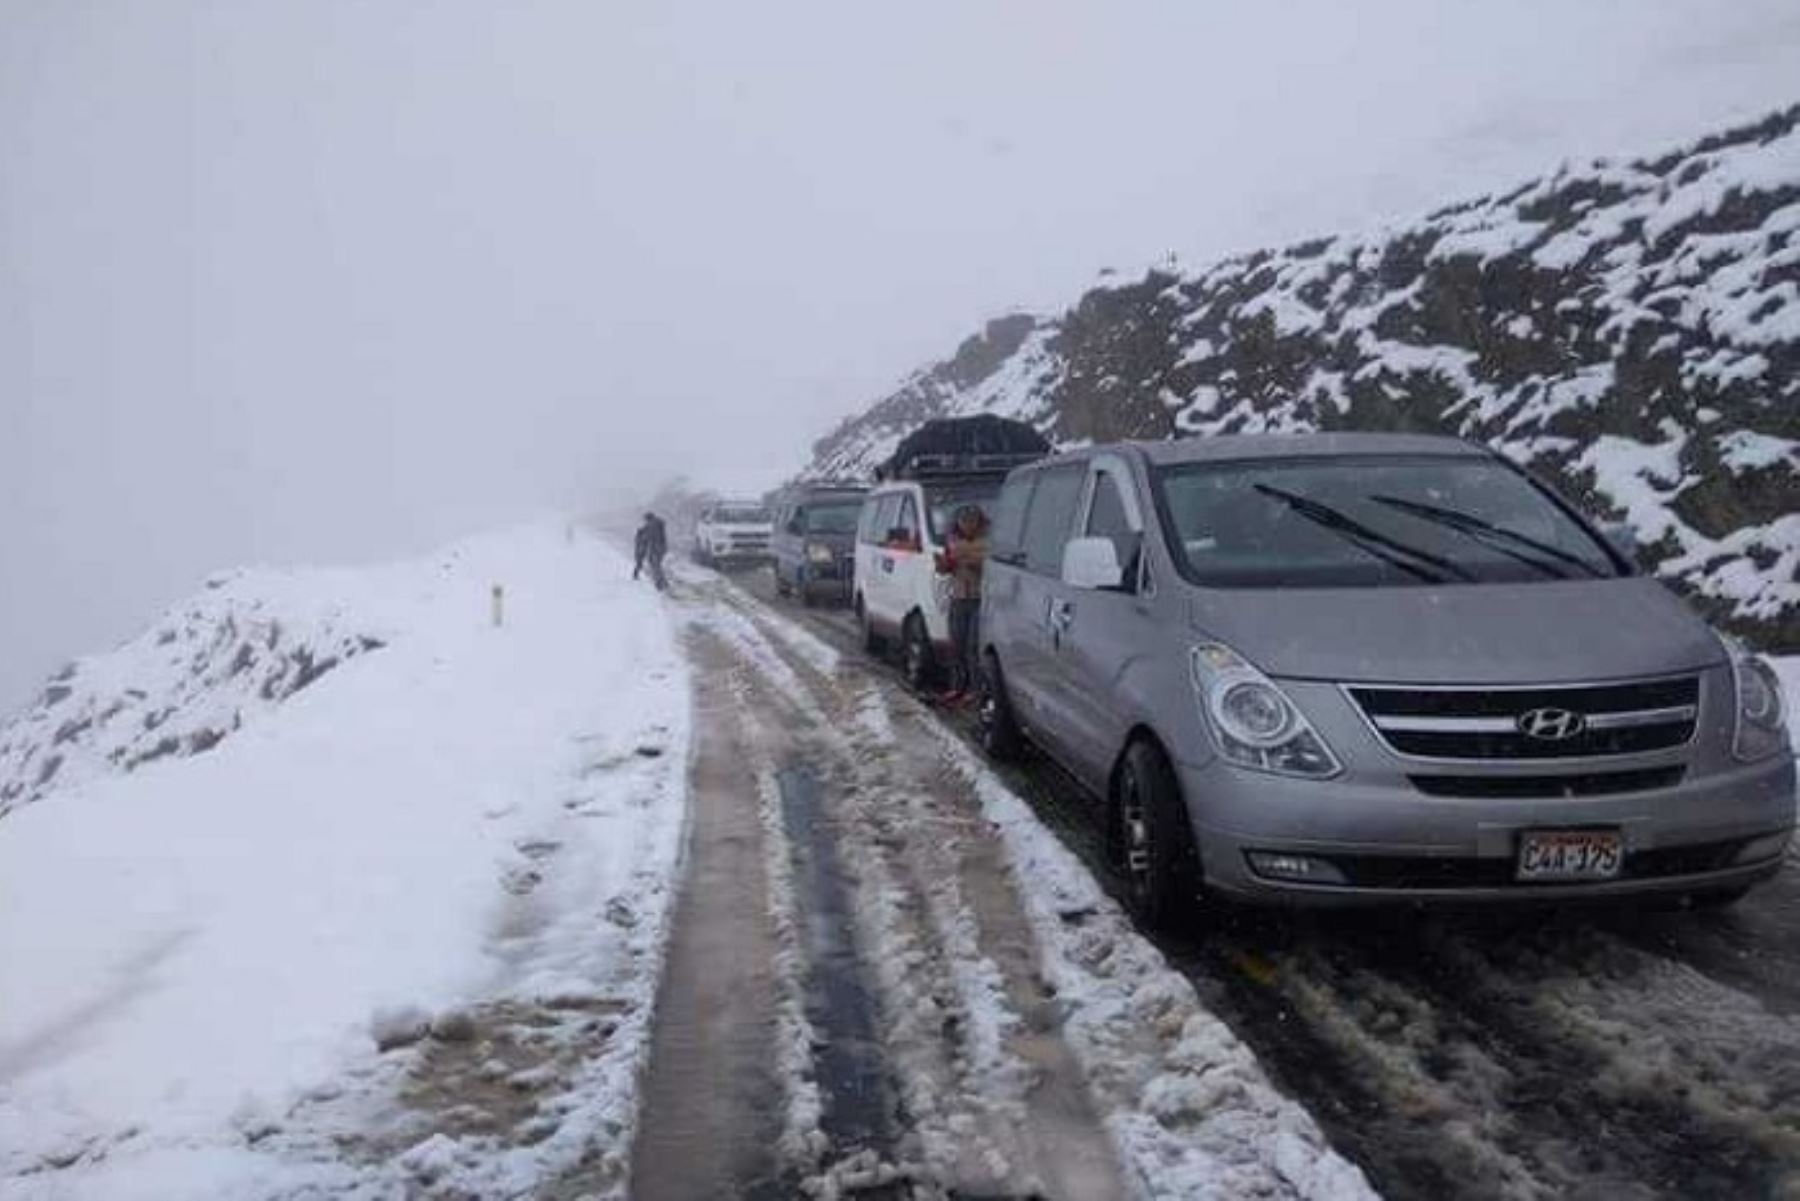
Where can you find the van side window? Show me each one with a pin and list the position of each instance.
(1107, 518)
(1006, 539)
(875, 513)
(906, 525)
(1050, 515)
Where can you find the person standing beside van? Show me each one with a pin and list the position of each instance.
(964, 560)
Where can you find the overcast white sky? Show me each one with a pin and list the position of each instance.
(335, 281)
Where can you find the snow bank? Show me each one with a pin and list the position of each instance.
(198, 959)
(208, 666)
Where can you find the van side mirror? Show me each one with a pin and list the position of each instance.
(1092, 563)
(794, 525)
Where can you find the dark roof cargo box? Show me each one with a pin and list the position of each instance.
(964, 446)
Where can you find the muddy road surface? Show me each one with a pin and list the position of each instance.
(1599, 1054)
(851, 1003)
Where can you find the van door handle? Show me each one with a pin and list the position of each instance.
(1062, 614)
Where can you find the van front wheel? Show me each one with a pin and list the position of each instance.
(1152, 840)
(1000, 735)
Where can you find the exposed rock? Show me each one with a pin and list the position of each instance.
(1630, 331)
(399, 1026)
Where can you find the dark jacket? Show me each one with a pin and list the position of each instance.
(652, 539)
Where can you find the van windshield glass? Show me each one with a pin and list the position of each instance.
(833, 517)
(742, 516)
(945, 499)
(1369, 522)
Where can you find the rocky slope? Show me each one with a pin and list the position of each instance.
(1630, 330)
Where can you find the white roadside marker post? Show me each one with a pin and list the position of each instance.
(499, 598)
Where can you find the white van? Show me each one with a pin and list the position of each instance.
(899, 596)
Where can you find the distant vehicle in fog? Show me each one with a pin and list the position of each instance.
(813, 546)
(1347, 668)
(900, 596)
(732, 534)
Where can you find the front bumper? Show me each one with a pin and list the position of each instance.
(739, 554)
(823, 573)
(1390, 842)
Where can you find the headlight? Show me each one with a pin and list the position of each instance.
(818, 552)
(1761, 726)
(1252, 719)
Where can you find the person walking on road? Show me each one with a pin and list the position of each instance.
(963, 560)
(652, 545)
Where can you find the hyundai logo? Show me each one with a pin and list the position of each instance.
(1551, 725)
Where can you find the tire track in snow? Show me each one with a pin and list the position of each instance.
(837, 1129)
(1187, 1106)
(710, 1117)
(1011, 1118)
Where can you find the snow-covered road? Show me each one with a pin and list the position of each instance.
(1635, 1054)
(922, 992)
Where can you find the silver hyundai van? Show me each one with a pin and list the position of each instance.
(1340, 668)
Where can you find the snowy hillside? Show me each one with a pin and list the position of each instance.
(1629, 329)
(229, 655)
(400, 926)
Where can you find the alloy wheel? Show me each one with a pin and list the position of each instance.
(1134, 833)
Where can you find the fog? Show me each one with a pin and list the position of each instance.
(337, 281)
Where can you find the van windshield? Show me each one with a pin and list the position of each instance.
(946, 499)
(745, 515)
(833, 517)
(1370, 522)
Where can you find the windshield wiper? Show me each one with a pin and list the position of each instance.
(1369, 541)
(1500, 538)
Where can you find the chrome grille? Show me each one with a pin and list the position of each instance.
(1570, 721)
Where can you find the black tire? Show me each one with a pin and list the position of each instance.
(809, 592)
(782, 587)
(1000, 735)
(1153, 842)
(917, 666)
(873, 643)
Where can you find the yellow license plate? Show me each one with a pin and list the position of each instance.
(1559, 855)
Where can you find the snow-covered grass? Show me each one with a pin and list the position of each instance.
(197, 958)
